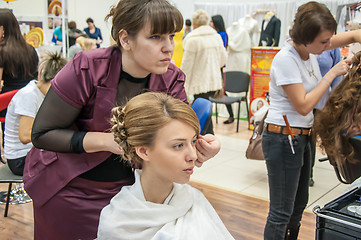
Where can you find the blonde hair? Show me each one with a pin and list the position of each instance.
(50, 64)
(138, 122)
(86, 43)
(200, 18)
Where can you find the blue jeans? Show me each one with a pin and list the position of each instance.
(288, 176)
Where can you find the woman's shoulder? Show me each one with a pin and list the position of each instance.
(99, 54)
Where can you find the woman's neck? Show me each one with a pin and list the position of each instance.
(43, 86)
(129, 66)
(301, 49)
(155, 190)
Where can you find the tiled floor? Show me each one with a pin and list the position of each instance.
(231, 170)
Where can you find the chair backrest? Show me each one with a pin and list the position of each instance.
(203, 108)
(236, 81)
(5, 99)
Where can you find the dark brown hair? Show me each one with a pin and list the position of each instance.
(15, 54)
(132, 16)
(311, 18)
(138, 122)
(341, 114)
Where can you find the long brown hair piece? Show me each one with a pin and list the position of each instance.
(341, 115)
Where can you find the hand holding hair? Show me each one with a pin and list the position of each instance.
(207, 147)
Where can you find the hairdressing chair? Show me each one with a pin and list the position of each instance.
(203, 109)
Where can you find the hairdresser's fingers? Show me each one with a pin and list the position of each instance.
(207, 147)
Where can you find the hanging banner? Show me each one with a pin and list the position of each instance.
(261, 60)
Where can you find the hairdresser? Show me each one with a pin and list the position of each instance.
(296, 87)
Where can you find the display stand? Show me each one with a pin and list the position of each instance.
(261, 60)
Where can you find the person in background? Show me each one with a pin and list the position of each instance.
(296, 87)
(74, 33)
(203, 57)
(217, 23)
(58, 35)
(82, 43)
(326, 61)
(18, 59)
(22, 110)
(75, 166)
(93, 32)
(188, 28)
(165, 145)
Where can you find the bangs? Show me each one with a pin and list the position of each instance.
(165, 19)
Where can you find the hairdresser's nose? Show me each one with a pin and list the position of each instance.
(168, 44)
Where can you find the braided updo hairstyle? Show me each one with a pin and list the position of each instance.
(138, 122)
(341, 114)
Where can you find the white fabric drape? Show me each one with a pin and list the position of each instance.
(185, 215)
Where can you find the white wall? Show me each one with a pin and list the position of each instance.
(80, 10)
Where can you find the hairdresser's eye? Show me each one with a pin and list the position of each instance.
(155, 37)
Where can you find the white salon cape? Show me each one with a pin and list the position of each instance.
(185, 215)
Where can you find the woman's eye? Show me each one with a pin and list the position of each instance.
(155, 37)
(194, 141)
(178, 146)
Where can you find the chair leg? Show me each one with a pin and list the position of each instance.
(7, 200)
(239, 108)
(247, 113)
(216, 114)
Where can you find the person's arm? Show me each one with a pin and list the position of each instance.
(25, 125)
(53, 129)
(100, 36)
(345, 38)
(304, 102)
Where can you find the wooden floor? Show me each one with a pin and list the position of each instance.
(243, 215)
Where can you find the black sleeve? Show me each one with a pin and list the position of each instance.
(52, 129)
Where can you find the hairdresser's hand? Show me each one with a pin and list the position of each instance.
(207, 147)
(99, 141)
(341, 68)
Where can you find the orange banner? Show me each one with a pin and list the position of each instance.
(262, 58)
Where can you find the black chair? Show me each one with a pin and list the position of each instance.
(347, 171)
(234, 82)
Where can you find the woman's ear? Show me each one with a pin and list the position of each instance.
(124, 39)
(143, 153)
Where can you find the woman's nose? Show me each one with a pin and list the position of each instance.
(192, 154)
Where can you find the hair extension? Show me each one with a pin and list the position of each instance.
(341, 115)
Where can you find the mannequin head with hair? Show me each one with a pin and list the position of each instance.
(341, 114)
(159, 132)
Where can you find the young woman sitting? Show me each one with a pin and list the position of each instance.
(159, 132)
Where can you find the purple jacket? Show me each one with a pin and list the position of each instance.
(89, 82)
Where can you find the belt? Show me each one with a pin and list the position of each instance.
(283, 130)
